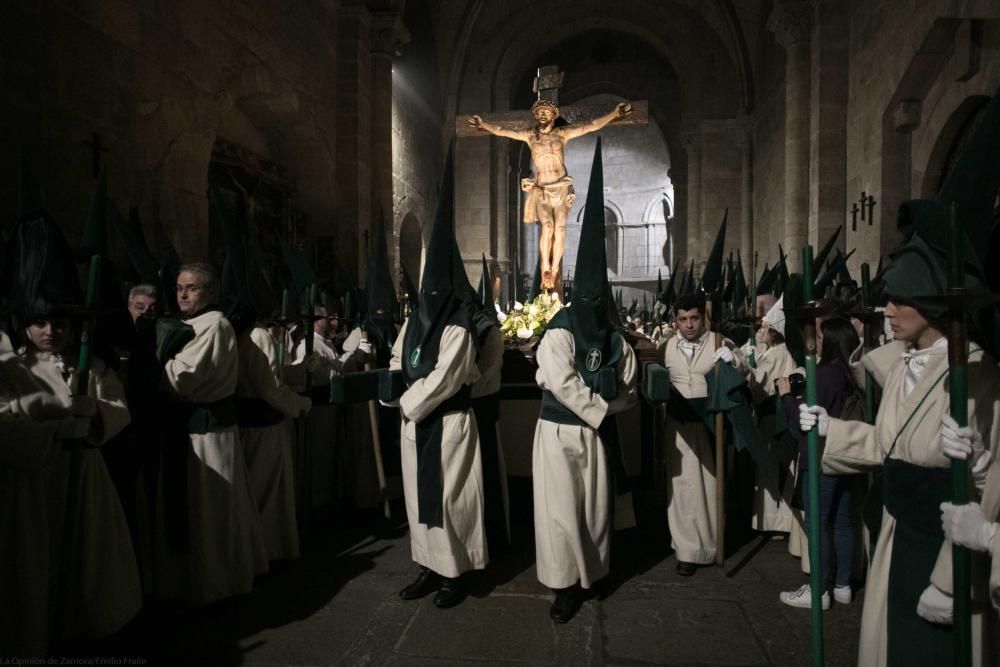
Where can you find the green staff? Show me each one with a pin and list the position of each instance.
(958, 390)
(812, 439)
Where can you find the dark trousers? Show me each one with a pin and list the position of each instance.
(835, 493)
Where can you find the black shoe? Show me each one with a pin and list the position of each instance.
(426, 583)
(450, 594)
(686, 569)
(568, 602)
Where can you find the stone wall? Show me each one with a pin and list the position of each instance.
(158, 81)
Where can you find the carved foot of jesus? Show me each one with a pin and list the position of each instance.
(548, 280)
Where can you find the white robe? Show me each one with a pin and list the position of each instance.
(772, 511)
(96, 576)
(853, 447)
(27, 444)
(570, 471)
(460, 544)
(226, 538)
(268, 450)
(691, 456)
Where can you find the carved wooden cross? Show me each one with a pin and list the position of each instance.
(546, 86)
(96, 148)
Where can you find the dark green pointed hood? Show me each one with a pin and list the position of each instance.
(380, 320)
(29, 195)
(486, 286)
(597, 343)
(95, 232)
(711, 277)
(235, 296)
(438, 303)
(536, 281)
(827, 248)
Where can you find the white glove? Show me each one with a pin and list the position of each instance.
(967, 525)
(935, 606)
(305, 405)
(42, 406)
(84, 406)
(365, 347)
(314, 362)
(814, 415)
(725, 355)
(73, 428)
(963, 443)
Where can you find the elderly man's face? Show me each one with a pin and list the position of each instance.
(193, 295)
(141, 304)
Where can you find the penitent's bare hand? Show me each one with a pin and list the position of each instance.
(623, 109)
(474, 121)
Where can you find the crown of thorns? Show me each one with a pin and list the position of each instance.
(545, 103)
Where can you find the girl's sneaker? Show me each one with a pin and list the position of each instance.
(843, 594)
(803, 598)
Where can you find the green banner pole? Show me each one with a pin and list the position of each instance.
(812, 440)
(83, 364)
(958, 356)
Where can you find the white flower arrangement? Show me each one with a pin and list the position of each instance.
(526, 321)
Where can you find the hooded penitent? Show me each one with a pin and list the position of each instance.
(438, 306)
(597, 343)
(437, 301)
(40, 267)
(236, 298)
(380, 322)
(918, 267)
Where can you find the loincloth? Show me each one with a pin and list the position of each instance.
(549, 197)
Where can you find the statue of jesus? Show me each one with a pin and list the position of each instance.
(550, 194)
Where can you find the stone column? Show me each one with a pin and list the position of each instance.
(388, 36)
(828, 126)
(745, 139)
(354, 133)
(790, 23)
(692, 144)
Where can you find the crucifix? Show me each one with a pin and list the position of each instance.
(867, 203)
(96, 148)
(550, 192)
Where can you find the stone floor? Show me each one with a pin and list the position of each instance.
(338, 605)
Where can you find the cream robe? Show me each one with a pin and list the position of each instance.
(691, 455)
(98, 589)
(460, 544)
(852, 447)
(27, 445)
(226, 538)
(268, 450)
(358, 458)
(772, 511)
(570, 472)
(324, 423)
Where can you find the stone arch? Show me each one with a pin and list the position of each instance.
(954, 129)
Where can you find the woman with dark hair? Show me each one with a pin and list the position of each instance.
(834, 384)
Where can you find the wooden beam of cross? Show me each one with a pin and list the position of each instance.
(96, 148)
(546, 86)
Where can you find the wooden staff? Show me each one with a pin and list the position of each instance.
(720, 461)
(305, 447)
(377, 442)
(815, 571)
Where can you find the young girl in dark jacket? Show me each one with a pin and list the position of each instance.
(834, 384)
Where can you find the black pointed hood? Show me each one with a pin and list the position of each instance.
(536, 281)
(597, 343)
(438, 304)
(382, 304)
(827, 248)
